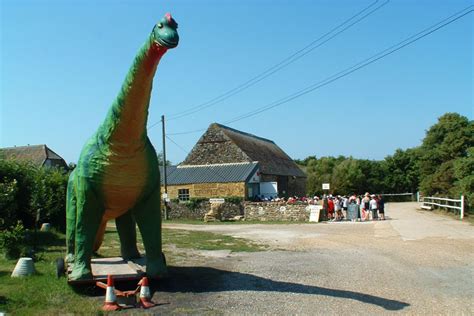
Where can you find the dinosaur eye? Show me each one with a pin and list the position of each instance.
(160, 25)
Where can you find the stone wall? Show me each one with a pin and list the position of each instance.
(208, 190)
(252, 211)
(274, 211)
(183, 211)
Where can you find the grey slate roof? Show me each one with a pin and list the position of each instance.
(217, 173)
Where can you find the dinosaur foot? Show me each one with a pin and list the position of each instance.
(80, 272)
(156, 268)
(69, 258)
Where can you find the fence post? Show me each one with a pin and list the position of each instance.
(418, 196)
(462, 207)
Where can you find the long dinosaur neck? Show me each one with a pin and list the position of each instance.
(124, 129)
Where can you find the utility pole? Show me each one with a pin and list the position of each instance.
(165, 180)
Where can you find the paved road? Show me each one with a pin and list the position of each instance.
(414, 263)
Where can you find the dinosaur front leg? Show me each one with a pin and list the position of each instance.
(128, 236)
(148, 216)
(89, 215)
(71, 212)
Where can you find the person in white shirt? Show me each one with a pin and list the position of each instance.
(373, 206)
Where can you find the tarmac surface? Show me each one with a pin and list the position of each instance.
(414, 263)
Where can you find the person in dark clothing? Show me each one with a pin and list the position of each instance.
(381, 206)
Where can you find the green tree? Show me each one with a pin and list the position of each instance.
(320, 171)
(464, 177)
(347, 177)
(159, 155)
(401, 172)
(449, 139)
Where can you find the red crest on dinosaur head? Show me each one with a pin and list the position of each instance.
(168, 17)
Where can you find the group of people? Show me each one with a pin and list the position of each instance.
(337, 208)
(354, 208)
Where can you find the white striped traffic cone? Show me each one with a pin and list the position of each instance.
(145, 295)
(110, 297)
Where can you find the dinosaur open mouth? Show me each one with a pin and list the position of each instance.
(166, 43)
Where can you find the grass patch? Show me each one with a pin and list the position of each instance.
(208, 241)
(44, 294)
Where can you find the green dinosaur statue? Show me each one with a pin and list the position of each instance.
(117, 173)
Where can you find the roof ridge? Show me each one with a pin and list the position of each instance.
(25, 146)
(219, 164)
(244, 133)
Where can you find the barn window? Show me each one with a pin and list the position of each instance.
(183, 194)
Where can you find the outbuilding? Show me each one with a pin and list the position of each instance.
(228, 162)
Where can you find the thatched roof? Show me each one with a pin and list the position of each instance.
(222, 144)
(36, 154)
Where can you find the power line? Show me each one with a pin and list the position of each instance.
(388, 51)
(287, 61)
(177, 145)
(282, 64)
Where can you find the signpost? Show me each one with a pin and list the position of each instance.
(216, 201)
(314, 215)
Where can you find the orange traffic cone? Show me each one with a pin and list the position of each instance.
(145, 295)
(110, 297)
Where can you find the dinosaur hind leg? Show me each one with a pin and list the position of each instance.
(90, 210)
(148, 216)
(128, 236)
(71, 211)
(99, 237)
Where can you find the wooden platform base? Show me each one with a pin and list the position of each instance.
(120, 269)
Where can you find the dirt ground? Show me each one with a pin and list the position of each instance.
(416, 263)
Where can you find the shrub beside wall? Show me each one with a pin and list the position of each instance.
(25, 189)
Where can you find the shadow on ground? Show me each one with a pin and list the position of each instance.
(205, 279)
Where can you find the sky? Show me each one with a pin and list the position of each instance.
(63, 62)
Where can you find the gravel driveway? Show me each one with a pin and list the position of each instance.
(414, 263)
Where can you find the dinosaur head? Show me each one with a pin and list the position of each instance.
(165, 32)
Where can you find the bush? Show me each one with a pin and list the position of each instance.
(194, 203)
(234, 200)
(12, 241)
(25, 189)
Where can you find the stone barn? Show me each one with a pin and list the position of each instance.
(227, 162)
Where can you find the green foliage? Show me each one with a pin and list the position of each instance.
(49, 196)
(194, 203)
(18, 198)
(43, 293)
(463, 169)
(442, 165)
(347, 177)
(8, 202)
(12, 241)
(234, 200)
(25, 189)
(159, 156)
(446, 154)
(401, 172)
